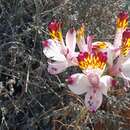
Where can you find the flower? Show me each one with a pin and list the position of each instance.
(90, 81)
(63, 54)
(124, 60)
(87, 45)
(120, 48)
(92, 61)
(121, 25)
(93, 85)
(113, 50)
(125, 47)
(121, 66)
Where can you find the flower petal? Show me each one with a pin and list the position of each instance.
(81, 39)
(93, 79)
(82, 45)
(53, 51)
(110, 56)
(96, 71)
(93, 100)
(71, 40)
(105, 83)
(114, 69)
(57, 67)
(78, 83)
(89, 42)
(118, 38)
(126, 69)
(106, 47)
(72, 58)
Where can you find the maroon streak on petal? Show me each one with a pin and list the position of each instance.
(45, 43)
(70, 80)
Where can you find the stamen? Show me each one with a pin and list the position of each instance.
(125, 48)
(92, 60)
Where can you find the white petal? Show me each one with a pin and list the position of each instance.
(93, 100)
(53, 51)
(75, 54)
(96, 71)
(71, 40)
(125, 58)
(126, 69)
(72, 58)
(82, 45)
(110, 56)
(93, 79)
(118, 38)
(105, 83)
(78, 83)
(113, 53)
(114, 69)
(57, 67)
(89, 42)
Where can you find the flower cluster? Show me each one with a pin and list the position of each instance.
(92, 58)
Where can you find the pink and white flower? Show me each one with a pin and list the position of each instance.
(121, 25)
(113, 50)
(91, 81)
(63, 54)
(114, 56)
(121, 59)
(87, 45)
(92, 59)
(122, 65)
